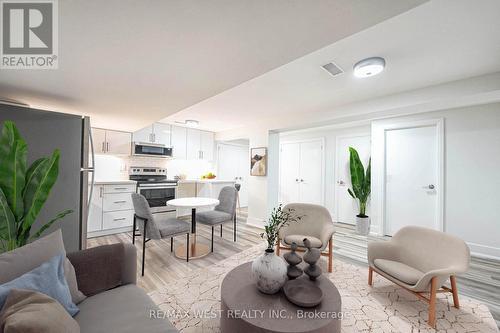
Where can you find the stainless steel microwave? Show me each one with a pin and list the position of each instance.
(151, 149)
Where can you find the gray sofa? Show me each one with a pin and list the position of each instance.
(122, 308)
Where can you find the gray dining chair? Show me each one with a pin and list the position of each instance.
(224, 212)
(155, 227)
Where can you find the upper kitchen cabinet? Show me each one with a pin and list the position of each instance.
(193, 141)
(200, 145)
(111, 142)
(179, 142)
(162, 134)
(157, 133)
(207, 145)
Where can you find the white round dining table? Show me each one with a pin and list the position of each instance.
(197, 250)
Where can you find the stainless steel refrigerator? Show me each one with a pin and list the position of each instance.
(45, 131)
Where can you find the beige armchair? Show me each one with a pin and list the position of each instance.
(420, 260)
(315, 224)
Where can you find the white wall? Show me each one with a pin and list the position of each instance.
(330, 135)
(472, 174)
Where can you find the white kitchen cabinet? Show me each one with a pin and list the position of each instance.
(162, 134)
(99, 139)
(193, 143)
(118, 143)
(111, 142)
(95, 210)
(157, 133)
(111, 209)
(301, 172)
(178, 142)
(207, 145)
(144, 135)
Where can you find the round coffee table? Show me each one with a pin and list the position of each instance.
(197, 250)
(245, 309)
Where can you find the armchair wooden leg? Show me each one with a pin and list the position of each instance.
(330, 255)
(454, 290)
(432, 303)
(370, 276)
(278, 247)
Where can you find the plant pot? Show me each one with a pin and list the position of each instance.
(363, 225)
(269, 272)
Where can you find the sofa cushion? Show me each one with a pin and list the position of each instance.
(171, 226)
(48, 278)
(22, 260)
(299, 239)
(399, 271)
(213, 217)
(124, 309)
(27, 311)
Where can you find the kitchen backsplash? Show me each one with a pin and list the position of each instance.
(109, 167)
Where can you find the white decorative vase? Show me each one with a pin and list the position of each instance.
(363, 225)
(269, 272)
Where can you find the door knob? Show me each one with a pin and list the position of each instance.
(431, 186)
(296, 179)
(341, 182)
(302, 180)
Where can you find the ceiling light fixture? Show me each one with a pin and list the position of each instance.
(191, 123)
(369, 67)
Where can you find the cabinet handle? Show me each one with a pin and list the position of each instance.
(120, 188)
(107, 146)
(103, 148)
(100, 192)
(120, 219)
(121, 201)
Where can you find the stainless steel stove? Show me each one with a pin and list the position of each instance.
(153, 184)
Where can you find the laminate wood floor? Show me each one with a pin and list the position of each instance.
(162, 267)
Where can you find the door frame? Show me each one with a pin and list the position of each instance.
(323, 166)
(336, 166)
(379, 157)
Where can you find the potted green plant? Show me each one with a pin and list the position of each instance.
(269, 270)
(23, 190)
(361, 188)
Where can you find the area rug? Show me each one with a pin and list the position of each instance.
(193, 303)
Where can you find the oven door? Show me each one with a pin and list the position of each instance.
(157, 196)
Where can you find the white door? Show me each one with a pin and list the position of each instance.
(412, 178)
(162, 134)
(347, 208)
(289, 172)
(311, 172)
(118, 143)
(207, 145)
(193, 150)
(178, 142)
(243, 174)
(99, 138)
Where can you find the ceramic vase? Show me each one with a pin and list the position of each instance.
(269, 272)
(362, 225)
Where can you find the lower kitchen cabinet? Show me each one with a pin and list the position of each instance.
(111, 210)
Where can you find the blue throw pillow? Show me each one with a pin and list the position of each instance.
(48, 278)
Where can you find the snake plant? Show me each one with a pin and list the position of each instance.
(361, 182)
(23, 190)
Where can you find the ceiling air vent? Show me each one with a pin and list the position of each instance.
(333, 69)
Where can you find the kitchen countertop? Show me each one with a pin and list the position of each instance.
(187, 181)
(115, 182)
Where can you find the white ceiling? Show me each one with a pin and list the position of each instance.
(437, 42)
(128, 63)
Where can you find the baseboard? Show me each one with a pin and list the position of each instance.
(484, 251)
(256, 222)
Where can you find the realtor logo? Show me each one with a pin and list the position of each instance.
(29, 34)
